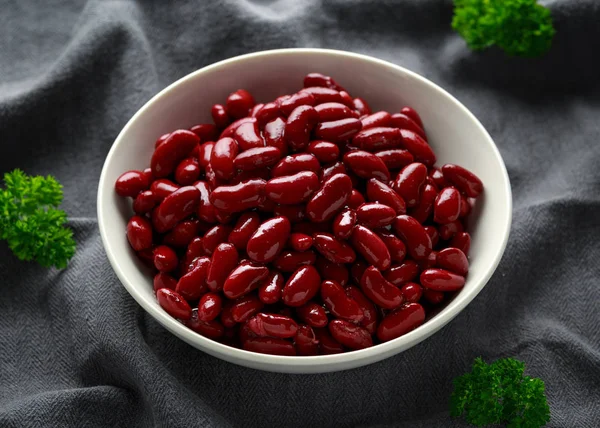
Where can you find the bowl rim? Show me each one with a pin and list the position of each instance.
(339, 361)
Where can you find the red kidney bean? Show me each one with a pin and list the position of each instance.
(410, 181)
(357, 269)
(332, 249)
(379, 290)
(248, 136)
(163, 188)
(436, 175)
(175, 207)
(246, 307)
(361, 106)
(239, 197)
(324, 151)
(429, 262)
(332, 271)
(410, 112)
(272, 325)
(243, 279)
(441, 280)
(163, 280)
(433, 297)
(139, 233)
(340, 305)
(269, 345)
(223, 153)
(402, 121)
(175, 148)
(187, 172)
(205, 211)
(215, 236)
(366, 165)
(379, 119)
(245, 226)
(375, 215)
(144, 202)
(327, 344)
(425, 207)
(329, 112)
(289, 165)
(299, 125)
(211, 329)
(369, 321)
(193, 284)
(350, 335)
(267, 113)
(412, 292)
(463, 179)
(301, 286)
(223, 261)
(454, 260)
(300, 242)
(336, 168)
(338, 130)
(465, 205)
(395, 246)
(257, 158)
(146, 257)
(343, 224)
(174, 304)
(414, 236)
(348, 101)
(312, 314)
(462, 241)
(323, 95)
(209, 307)
(206, 132)
(403, 273)
(274, 135)
(356, 199)
(294, 213)
(433, 234)
(254, 110)
(401, 321)
(447, 206)
(239, 103)
(320, 80)
(306, 341)
(289, 261)
(395, 158)
(205, 153)
(161, 139)
(418, 147)
(131, 183)
(371, 247)
(165, 259)
(449, 230)
(380, 192)
(226, 316)
(196, 247)
(182, 234)
(296, 100)
(229, 131)
(332, 196)
(378, 138)
(269, 239)
(263, 173)
(292, 189)
(270, 290)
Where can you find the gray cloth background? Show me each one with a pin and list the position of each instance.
(77, 351)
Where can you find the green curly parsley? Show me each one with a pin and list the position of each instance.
(30, 221)
(519, 27)
(499, 393)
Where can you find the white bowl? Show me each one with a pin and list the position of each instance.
(456, 135)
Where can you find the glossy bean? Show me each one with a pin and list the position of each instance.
(239, 103)
(298, 127)
(269, 239)
(131, 183)
(379, 290)
(357, 269)
(332, 249)
(221, 161)
(379, 119)
(205, 153)
(239, 197)
(287, 106)
(446, 207)
(206, 132)
(269, 345)
(413, 235)
(448, 230)
(329, 112)
(300, 242)
(243, 279)
(139, 233)
(409, 183)
(348, 102)
(331, 198)
(289, 261)
(301, 286)
(209, 307)
(412, 113)
(174, 304)
(339, 304)
(401, 321)
(292, 189)
(144, 202)
(412, 292)
(382, 193)
(257, 158)
(248, 136)
(272, 325)
(228, 132)
(224, 260)
(375, 215)
(350, 335)
(403, 273)
(211, 329)
(366, 165)
(312, 314)
(182, 234)
(163, 280)
(245, 226)
(274, 133)
(433, 235)
(454, 260)
(324, 151)
(162, 188)
(395, 246)
(174, 149)
(433, 297)
(306, 342)
(161, 139)
(246, 307)
(422, 211)
(338, 130)
(267, 113)
(294, 164)
(270, 290)
(441, 280)
(418, 147)
(402, 121)
(395, 158)
(361, 106)
(343, 224)
(226, 316)
(294, 213)
(330, 170)
(463, 179)
(369, 321)
(371, 247)
(327, 344)
(377, 139)
(323, 95)
(320, 80)
(165, 259)
(462, 241)
(193, 283)
(332, 271)
(175, 207)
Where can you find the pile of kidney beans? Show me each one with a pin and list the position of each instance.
(304, 226)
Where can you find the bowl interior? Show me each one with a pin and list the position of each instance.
(453, 131)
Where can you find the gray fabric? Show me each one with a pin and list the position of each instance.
(77, 351)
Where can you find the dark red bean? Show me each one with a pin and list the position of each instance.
(395, 158)
(361, 106)
(193, 283)
(162, 188)
(163, 280)
(175, 148)
(433, 234)
(257, 158)
(401, 321)
(465, 205)
(331, 170)
(410, 112)
(270, 290)
(294, 213)
(306, 342)
(350, 335)
(369, 321)
(288, 105)
(243, 279)
(429, 262)
(312, 314)
(463, 179)
(448, 230)
(402, 121)
(414, 236)
(196, 248)
(446, 207)
(161, 139)
(300, 242)
(454, 260)
(332, 271)
(418, 147)
(294, 164)
(139, 233)
(292, 189)
(357, 269)
(289, 261)
(245, 226)
(131, 183)
(223, 153)
(433, 297)
(338, 130)
(205, 211)
(246, 307)
(377, 139)
(205, 153)
(348, 102)
(441, 280)
(436, 175)
(375, 215)
(379, 290)
(412, 292)
(269, 345)
(371, 247)
(274, 135)
(272, 325)
(269, 239)
(229, 131)
(239, 103)
(175, 207)
(380, 192)
(329, 112)
(331, 198)
(410, 181)
(187, 172)
(267, 113)
(327, 344)
(299, 125)
(323, 95)
(401, 274)
(165, 259)
(424, 208)
(239, 197)
(366, 165)
(248, 136)
(379, 119)
(174, 304)
(462, 241)
(182, 234)
(144, 202)
(320, 80)
(226, 316)
(343, 224)
(338, 303)
(223, 261)
(395, 246)
(301, 286)
(324, 151)
(206, 132)
(332, 249)
(356, 199)
(209, 307)
(211, 329)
